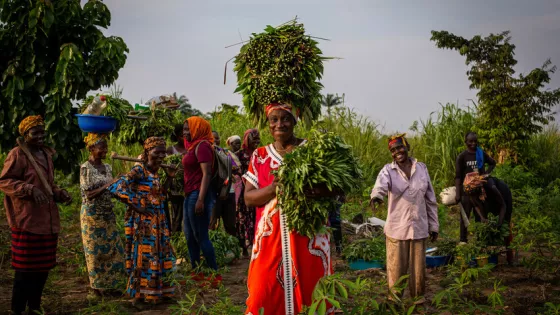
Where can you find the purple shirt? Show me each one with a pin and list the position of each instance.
(412, 208)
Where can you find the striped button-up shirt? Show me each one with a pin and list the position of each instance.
(412, 207)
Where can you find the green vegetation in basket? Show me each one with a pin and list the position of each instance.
(226, 246)
(159, 122)
(117, 108)
(445, 247)
(324, 160)
(282, 64)
(367, 249)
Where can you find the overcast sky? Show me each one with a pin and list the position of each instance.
(390, 70)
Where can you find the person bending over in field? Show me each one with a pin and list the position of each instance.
(472, 181)
(149, 257)
(103, 248)
(412, 216)
(285, 266)
(27, 179)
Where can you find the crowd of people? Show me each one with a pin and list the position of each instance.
(285, 266)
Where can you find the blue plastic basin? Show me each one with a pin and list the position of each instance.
(96, 124)
(437, 261)
(361, 264)
(493, 259)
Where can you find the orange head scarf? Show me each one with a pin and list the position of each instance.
(200, 131)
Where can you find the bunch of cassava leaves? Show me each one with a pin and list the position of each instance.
(280, 65)
(157, 122)
(324, 160)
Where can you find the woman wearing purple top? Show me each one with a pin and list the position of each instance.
(411, 215)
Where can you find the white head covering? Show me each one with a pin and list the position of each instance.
(233, 138)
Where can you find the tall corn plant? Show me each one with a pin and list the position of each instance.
(440, 139)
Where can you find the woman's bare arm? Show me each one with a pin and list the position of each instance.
(257, 197)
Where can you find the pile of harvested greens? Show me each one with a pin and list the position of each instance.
(324, 160)
(158, 122)
(282, 64)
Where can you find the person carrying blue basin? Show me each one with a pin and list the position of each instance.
(412, 216)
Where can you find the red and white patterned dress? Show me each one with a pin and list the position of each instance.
(285, 266)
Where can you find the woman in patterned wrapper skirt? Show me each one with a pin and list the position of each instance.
(103, 247)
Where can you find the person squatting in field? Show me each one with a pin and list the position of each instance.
(149, 257)
(285, 266)
(469, 167)
(412, 215)
(27, 180)
(199, 195)
(103, 248)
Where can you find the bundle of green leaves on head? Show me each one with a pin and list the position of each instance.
(324, 160)
(280, 65)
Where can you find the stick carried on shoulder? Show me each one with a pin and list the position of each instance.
(115, 156)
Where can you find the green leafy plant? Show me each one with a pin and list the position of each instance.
(325, 160)
(361, 296)
(366, 249)
(445, 247)
(282, 64)
(226, 246)
(490, 233)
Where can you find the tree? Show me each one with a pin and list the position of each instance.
(53, 53)
(330, 100)
(510, 109)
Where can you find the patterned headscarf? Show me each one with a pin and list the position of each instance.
(249, 135)
(200, 131)
(30, 122)
(398, 139)
(287, 107)
(94, 138)
(473, 184)
(153, 142)
(232, 138)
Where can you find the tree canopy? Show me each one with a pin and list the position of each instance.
(51, 54)
(511, 108)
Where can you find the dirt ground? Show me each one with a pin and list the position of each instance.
(67, 290)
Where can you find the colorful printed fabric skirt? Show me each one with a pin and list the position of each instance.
(33, 252)
(103, 248)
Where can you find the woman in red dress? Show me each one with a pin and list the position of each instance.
(285, 266)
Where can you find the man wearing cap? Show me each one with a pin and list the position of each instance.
(411, 215)
(27, 179)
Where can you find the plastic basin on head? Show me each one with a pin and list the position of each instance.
(96, 124)
(361, 264)
(437, 261)
(493, 259)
